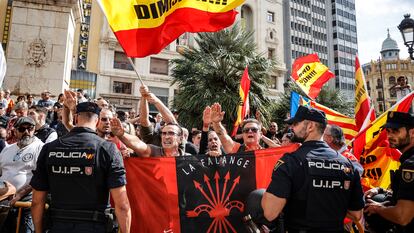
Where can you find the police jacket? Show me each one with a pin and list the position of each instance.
(320, 185)
(78, 170)
(44, 132)
(402, 183)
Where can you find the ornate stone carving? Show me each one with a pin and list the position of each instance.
(36, 54)
(271, 36)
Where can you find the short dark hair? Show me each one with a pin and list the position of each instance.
(39, 109)
(180, 129)
(337, 135)
(320, 126)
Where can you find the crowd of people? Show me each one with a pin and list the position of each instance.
(68, 153)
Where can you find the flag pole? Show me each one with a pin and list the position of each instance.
(135, 69)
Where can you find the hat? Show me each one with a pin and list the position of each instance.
(88, 107)
(305, 113)
(24, 120)
(399, 119)
(7, 190)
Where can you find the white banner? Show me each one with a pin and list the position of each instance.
(2, 65)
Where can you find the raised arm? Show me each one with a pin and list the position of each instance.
(164, 110)
(216, 117)
(69, 108)
(131, 141)
(204, 133)
(143, 107)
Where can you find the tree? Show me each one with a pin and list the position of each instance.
(212, 72)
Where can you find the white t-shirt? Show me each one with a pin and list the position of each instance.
(17, 164)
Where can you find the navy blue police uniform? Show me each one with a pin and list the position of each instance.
(78, 170)
(320, 185)
(402, 181)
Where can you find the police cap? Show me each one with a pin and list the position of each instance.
(88, 107)
(24, 120)
(307, 113)
(397, 120)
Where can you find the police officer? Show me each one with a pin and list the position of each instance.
(79, 170)
(400, 130)
(316, 185)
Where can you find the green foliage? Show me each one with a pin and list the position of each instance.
(212, 72)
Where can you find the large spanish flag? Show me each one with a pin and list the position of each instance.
(196, 193)
(243, 107)
(362, 100)
(145, 27)
(310, 74)
(346, 123)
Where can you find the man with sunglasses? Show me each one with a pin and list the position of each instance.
(79, 171)
(250, 128)
(16, 163)
(315, 185)
(171, 139)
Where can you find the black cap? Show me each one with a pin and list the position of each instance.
(24, 120)
(305, 113)
(88, 107)
(397, 120)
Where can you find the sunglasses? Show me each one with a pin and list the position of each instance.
(23, 129)
(169, 133)
(253, 129)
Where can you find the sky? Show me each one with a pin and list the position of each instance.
(373, 18)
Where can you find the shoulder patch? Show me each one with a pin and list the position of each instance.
(407, 175)
(278, 164)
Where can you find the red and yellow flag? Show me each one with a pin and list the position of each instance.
(310, 74)
(362, 100)
(145, 27)
(372, 148)
(243, 108)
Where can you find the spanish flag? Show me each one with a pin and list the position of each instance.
(145, 27)
(310, 74)
(362, 100)
(244, 107)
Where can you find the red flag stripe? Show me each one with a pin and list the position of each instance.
(143, 42)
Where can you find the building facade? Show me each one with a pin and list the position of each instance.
(327, 28)
(383, 74)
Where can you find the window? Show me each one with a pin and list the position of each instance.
(158, 66)
(270, 17)
(162, 94)
(122, 87)
(273, 82)
(271, 53)
(121, 61)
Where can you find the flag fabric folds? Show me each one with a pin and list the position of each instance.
(243, 107)
(3, 66)
(310, 74)
(145, 27)
(372, 148)
(196, 193)
(362, 100)
(346, 123)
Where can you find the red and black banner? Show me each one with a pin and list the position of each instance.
(196, 193)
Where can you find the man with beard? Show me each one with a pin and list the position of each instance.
(16, 163)
(251, 129)
(315, 185)
(400, 210)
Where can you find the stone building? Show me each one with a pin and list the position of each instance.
(382, 75)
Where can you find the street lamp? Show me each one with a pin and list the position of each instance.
(406, 28)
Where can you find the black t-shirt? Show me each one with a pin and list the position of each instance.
(78, 170)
